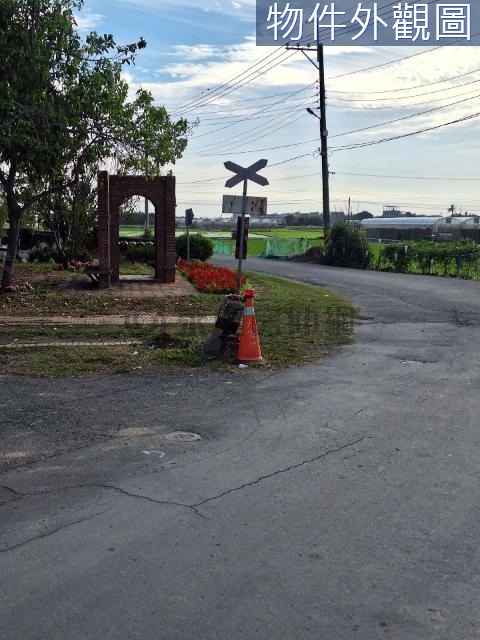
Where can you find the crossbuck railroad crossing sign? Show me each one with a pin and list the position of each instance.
(249, 173)
(244, 174)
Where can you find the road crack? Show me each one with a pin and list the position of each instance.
(124, 492)
(276, 473)
(53, 531)
(18, 495)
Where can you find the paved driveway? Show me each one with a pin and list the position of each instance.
(336, 501)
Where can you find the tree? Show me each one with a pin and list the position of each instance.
(451, 209)
(3, 214)
(347, 246)
(71, 215)
(64, 107)
(362, 215)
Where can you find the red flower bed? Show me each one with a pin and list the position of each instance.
(208, 278)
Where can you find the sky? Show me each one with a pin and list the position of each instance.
(250, 102)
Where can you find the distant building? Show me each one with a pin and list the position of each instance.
(336, 216)
(455, 227)
(401, 228)
(392, 212)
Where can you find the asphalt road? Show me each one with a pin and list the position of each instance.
(336, 501)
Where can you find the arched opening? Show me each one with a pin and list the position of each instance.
(113, 192)
(137, 239)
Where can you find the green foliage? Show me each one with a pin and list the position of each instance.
(64, 107)
(346, 246)
(44, 254)
(71, 216)
(141, 253)
(3, 214)
(201, 247)
(148, 234)
(458, 258)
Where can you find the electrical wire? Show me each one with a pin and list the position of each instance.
(241, 83)
(399, 106)
(263, 110)
(259, 61)
(276, 124)
(405, 135)
(412, 115)
(417, 95)
(418, 86)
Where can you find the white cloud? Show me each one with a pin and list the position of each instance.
(87, 21)
(190, 71)
(244, 9)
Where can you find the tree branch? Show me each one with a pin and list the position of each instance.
(49, 192)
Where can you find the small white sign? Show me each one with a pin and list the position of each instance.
(254, 206)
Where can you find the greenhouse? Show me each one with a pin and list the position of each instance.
(394, 229)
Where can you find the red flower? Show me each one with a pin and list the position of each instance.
(208, 278)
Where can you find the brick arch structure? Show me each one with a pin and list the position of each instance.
(113, 191)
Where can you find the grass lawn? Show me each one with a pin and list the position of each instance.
(292, 232)
(131, 231)
(297, 324)
(136, 269)
(255, 247)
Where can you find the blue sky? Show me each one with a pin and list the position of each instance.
(193, 47)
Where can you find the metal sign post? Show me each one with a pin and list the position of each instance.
(188, 220)
(255, 206)
(244, 174)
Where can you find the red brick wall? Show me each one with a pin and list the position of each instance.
(113, 192)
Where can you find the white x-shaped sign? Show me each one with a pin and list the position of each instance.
(248, 173)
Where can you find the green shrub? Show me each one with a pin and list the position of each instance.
(45, 254)
(457, 258)
(346, 246)
(201, 247)
(141, 253)
(396, 256)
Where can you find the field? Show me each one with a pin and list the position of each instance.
(292, 232)
(285, 240)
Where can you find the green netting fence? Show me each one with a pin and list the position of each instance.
(266, 247)
(286, 247)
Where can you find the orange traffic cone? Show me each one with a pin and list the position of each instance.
(249, 348)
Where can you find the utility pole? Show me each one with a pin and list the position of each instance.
(323, 130)
(147, 215)
(324, 139)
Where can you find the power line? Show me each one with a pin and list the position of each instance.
(238, 112)
(283, 146)
(269, 111)
(413, 115)
(274, 128)
(405, 135)
(241, 83)
(400, 177)
(417, 95)
(418, 86)
(225, 84)
(267, 97)
(397, 60)
(397, 106)
(227, 126)
(224, 177)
